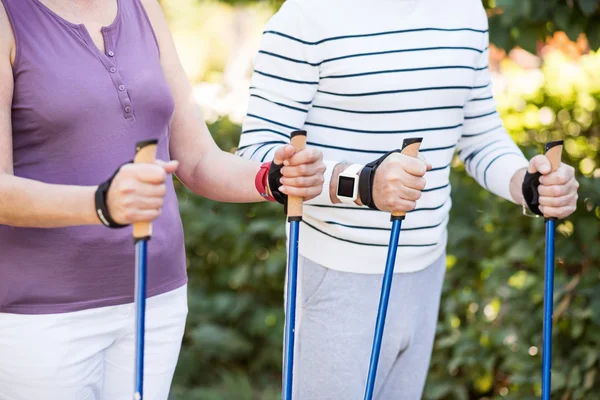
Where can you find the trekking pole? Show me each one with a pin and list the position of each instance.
(410, 147)
(294, 213)
(145, 152)
(553, 152)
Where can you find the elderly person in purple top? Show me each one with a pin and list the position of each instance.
(80, 83)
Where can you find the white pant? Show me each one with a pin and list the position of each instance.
(89, 355)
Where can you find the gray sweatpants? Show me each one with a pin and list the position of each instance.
(336, 314)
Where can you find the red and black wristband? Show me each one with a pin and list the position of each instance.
(260, 181)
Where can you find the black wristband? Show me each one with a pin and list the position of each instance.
(365, 185)
(102, 206)
(274, 177)
(367, 179)
(531, 182)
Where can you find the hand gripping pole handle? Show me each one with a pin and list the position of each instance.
(145, 152)
(294, 204)
(410, 147)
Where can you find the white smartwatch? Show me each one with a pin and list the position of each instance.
(347, 190)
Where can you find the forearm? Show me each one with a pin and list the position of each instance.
(516, 182)
(222, 176)
(33, 204)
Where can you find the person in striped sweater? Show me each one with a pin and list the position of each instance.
(360, 77)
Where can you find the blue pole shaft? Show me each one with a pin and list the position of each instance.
(548, 306)
(290, 314)
(383, 305)
(141, 251)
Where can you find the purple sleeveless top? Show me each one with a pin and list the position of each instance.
(77, 114)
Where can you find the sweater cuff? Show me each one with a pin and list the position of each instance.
(324, 197)
(499, 174)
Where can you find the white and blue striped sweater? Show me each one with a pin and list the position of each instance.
(359, 77)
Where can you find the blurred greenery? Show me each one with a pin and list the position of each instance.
(489, 334)
(233, 343)
(524, 22)
(488, 343)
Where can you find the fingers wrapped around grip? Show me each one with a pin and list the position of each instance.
(399, 180)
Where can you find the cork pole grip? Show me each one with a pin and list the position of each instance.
(294, 204)
(554, 152)
(145, 152)
(410, 147)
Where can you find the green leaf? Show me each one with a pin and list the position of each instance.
(575, 28)
(528, 39)
(501, 39)
(559, 380)
(588, 7)
(508, 4)
(595, 305)
(542, 10)
(439, 390)
(591, 356)
(520, 251)
(561, 17)
(590, 378)
(461, 393)
(575, 377)
(526, 8)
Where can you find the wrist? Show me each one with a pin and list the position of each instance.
(90, 215)
(516, 186)
(101, 206)
(261, 182)
(334, 184)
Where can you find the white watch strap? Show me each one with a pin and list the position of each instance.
(353, 169)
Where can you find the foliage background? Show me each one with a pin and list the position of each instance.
(489, 333)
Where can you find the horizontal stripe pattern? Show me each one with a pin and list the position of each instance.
(364, 35)
(392, 71)
(409, 90)
(365, 243)
(359, 85)
(407, 110)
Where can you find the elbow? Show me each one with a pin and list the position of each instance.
(196, 177)
(5, 188)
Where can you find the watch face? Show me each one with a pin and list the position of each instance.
(346, 186)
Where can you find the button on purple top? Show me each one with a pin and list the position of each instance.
(69, 128)
(111, 54)
(113, 69)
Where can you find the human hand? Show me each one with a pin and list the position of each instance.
(303, 172)
(398, 182)
(557, 189)
(137, 192)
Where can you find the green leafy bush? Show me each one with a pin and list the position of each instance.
(525, 22)
(236, 260)
(489, 334)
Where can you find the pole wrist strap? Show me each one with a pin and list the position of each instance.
(367, 179)
(102, 206)
(531, 196)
